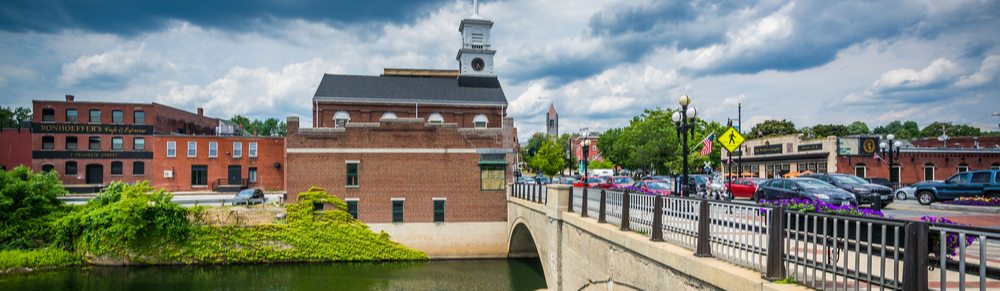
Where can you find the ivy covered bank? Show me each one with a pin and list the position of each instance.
(139, 225)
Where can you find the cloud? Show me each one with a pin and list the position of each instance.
(110, 70)
(986, 73)
(977, 48)
(940, 72)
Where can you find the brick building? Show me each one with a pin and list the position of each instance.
(15, 148)
(206, 162)
(920, 164)
(965, 142)
(575, 142)
(424, 155)
(93, 143)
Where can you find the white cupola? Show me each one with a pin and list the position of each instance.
(475, 58)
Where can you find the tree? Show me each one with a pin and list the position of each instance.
(606, 143)
(824, 130)
(570, 156)
(27, 201)
(549, 159)
(858, 127)
(772, 128)
(935, 130)
(14, 117)
(268, 127)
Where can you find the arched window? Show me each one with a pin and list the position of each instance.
(139, 117)
(116, 168)
(963, 167)
(552, 123)
(48, 115)
(47, 168)
(138, 168)
(480, 121)
(341, 118)
(95, 116)
(48, 143)
(71, 143)
(995, 166)
(117, 116)
(70, 168)
(928, 172)
(388, 115)
(435, 118)
(860, 170)
(71, 115)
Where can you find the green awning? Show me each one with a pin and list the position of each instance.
(493, 163)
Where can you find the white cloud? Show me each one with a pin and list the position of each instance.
(986, 73)
(760, 36)
(941, 71)
(111, 69)
(906, 114)
(754, 120)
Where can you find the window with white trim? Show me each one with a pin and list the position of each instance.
(171, 149)
(237, 149)
(439, 209)
(480, 121)
(928, 172)
(860, 170)
(341, 118)
(352, 207)
(397, 209)
(352, 174)
(252, 150)
(963, 168)
(435, 118)
(192, 149)
(388, 115)
(213, 149)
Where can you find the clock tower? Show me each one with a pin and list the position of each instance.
(475, 58)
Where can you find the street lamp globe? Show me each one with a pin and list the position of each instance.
(677, 117)
(890, 137)
(692, 112)
(881, 145)
(897, 144)
(586, 143)
(685, 100)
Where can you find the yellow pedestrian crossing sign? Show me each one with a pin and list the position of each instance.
(731, 139)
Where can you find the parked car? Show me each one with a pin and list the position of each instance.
(660, 187)
(529, 181)
(863, 191)
(592, 182)
(249, 196)
(804, 188)
(544, 181)
(663, 178)
(879, 181)
(616, 181)
(520, 180)
(745, 187)
(908, 192)
(966, 184)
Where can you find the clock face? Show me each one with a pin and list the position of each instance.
(478, 64)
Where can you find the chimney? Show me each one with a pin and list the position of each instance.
(69, 98)
(201, 112)
(292, 123)
(254, 132)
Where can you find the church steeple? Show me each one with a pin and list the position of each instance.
(553, 121)
(475, 58)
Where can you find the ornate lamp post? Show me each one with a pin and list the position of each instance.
(586, 159)
(890, 151)
(684, 121)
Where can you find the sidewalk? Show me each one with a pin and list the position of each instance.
(186, 193)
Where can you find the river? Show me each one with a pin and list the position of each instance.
(514, 274)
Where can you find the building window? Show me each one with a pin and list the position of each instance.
(117, 143)
(388, 115)
(352, 174)
(480, 121)
(117, 116)
(95, 116)
(928, 172)
(341, 118)
(802, 167)
(139, 144)
(71, 115)
(995, 167)
(192, 149)
(318, 206)
(70, 168)
(252, 150)
(237, 149)
(859, 170)
(171, 149)
(252, 175)
(894, 173)
(397, 209)
(138, 169)
(213, 149)
(199, 175)
(435, 118)
(47, 168)
(48, 143)
(352, 207)
(139, 117)
(71, 143)
(48, 115)
(439, 209)
(821, 168)
(116, 168)
(95, 143)
(963, 168)
(492, 177)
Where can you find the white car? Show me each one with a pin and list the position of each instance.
(907, 192)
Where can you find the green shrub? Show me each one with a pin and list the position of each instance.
(27, 204)
(37, 258)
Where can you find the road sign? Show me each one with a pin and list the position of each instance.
(731, 139)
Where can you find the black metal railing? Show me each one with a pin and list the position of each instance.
(243, 183)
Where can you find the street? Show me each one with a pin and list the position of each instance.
(912, 210)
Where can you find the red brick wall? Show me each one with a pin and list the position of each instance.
(417, 177)
(15, 148)
(169, 119)
(270, 150)
(83, 146)
(463, 115)
(912, 164)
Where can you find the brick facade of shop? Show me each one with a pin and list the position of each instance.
(263, 170)
(919, 164)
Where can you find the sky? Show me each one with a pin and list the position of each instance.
(600, 62)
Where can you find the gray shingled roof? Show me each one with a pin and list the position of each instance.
(474, 90)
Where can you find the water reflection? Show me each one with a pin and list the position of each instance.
(434, 275)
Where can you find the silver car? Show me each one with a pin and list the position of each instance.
(907, 192)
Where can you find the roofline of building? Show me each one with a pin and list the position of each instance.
(214, 136)
(126, 103)
(405, 101)
(949, 150)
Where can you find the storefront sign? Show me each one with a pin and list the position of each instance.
(90, 155)
(767, 149)
(810, 147)
(93, 128)
(867, 146)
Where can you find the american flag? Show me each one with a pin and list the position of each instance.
(708, 144)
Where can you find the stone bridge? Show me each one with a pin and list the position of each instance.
(578, 253)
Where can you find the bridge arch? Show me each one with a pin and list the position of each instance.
(521, 242)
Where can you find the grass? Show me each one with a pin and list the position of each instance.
(15, 259)
(789, 280)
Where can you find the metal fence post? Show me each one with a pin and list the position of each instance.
(657, 234)
(704, 249)
(877, 202)
(775, 245)
(583, 204)
(625, 213)
(571, 191)
(601, 209)
(915, 256)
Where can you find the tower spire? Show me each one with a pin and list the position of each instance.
(475, 9)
